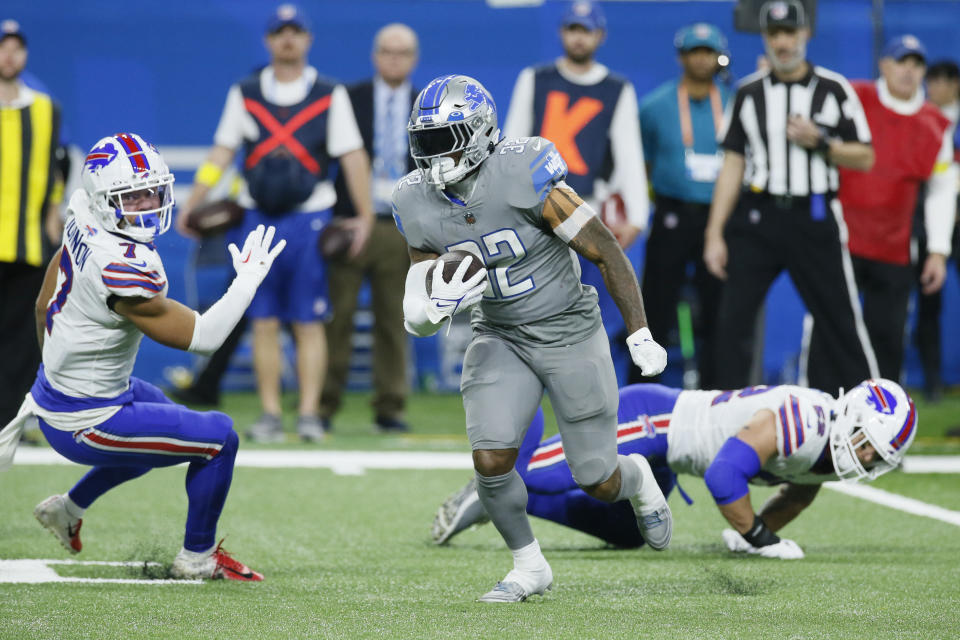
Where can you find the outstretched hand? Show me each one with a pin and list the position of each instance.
(256, 257)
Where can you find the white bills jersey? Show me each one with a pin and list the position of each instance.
(703, 420)
(88, 350)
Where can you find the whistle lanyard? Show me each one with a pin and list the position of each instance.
(683, 106)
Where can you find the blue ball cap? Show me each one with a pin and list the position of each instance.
(701, 34)
(902, 46)
(586, 14)
(288, 14)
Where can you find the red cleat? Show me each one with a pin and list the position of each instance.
(229, 568)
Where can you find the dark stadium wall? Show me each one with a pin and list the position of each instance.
(163, 69)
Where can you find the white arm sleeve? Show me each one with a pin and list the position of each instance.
(629, 175)
(519, 122)
(212, 327)
(415, 301)
(940, 205)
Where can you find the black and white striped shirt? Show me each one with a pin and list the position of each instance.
(755, 126)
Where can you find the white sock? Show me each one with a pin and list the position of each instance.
(195, 556)
(528, 558)
(73, 509)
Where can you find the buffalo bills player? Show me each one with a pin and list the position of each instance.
(792, 436)
(103, 291)
(535, 326)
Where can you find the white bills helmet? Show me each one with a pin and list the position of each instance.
(119, 166)
(876, 412)
(453, 113)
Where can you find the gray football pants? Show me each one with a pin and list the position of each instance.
(502, 385)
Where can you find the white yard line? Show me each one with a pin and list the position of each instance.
(896, 501)
(340, 462)
(36, 571)
(354, 462)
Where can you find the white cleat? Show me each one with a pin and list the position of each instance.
(52, 514)
(458, 512)
(517, 586)
(651, 509)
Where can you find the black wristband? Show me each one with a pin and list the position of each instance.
(759, 535)
(823, 145)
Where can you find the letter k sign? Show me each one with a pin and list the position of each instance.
(561, 126)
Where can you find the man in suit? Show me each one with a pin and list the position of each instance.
(382, 107)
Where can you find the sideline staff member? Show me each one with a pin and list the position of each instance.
(30, 194)
(679, 122)
(799, 122)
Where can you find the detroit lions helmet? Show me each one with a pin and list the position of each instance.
(876, 412)
(119, 166)
(452, 114)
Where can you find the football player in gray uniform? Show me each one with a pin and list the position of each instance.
(790, 436)
(535, 326)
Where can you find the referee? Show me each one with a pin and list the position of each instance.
(795, 123)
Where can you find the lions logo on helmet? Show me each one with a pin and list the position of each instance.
(454, 113)
(122, 169)
(875, 412)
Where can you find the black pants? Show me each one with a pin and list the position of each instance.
(929, 308)
(765, 236)
(676, 241)
(19, 286)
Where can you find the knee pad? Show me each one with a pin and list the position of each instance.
(592, 471)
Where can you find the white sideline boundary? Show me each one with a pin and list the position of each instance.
(896, 501)
(356, 462)
(38, 571)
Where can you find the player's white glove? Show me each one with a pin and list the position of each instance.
(256, 257)
(646, 353)
(448, 298)
(784, 550)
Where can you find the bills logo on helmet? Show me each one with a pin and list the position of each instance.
(100, 157)
(881, 400)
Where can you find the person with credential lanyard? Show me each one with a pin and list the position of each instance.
(679, 122)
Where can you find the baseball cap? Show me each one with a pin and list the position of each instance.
(288, 14)
(701, 34)
(586, 14)
(11, 29)
(783, 13)
(902, 46)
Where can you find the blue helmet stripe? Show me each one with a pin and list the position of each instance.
(432, 94)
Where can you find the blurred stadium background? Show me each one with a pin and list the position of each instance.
(162, 70)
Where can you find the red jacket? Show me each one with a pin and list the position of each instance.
(878, 205)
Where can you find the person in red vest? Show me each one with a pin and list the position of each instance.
(289, 122)
(913, 147)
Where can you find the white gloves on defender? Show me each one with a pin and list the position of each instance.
(784, 550)
(257, 256)
(646, 353)
(449, 298)
(252, 264)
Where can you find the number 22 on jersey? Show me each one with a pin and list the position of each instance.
(504, 248)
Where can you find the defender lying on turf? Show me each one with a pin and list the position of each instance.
(793, 436)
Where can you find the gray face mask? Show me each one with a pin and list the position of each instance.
(791, 65)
